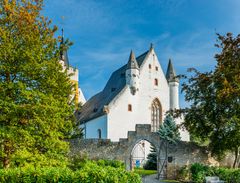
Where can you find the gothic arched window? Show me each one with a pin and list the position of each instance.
(156, 110)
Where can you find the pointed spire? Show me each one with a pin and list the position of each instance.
(63, 51)
(132, 62)
(151, 47)
(171, 74)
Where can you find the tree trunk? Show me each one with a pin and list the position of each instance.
(235, 164)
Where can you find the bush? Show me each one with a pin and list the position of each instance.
(184, 174)
(198, 172)
(90, 172)
(112, 163)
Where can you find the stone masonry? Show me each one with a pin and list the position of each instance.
(182, 153)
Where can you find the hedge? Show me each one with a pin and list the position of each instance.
(91, 172)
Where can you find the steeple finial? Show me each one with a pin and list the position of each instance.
(151, 46)
(132, 62)
(171, 74)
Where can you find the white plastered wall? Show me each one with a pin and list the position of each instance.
(120, 120)
(91, 127)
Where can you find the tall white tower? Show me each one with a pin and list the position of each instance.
(132, 74)
(173, 82)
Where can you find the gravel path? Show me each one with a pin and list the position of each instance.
(151, 179)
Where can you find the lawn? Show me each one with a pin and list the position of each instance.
(143, 172)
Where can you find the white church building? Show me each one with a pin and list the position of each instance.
(137, 93)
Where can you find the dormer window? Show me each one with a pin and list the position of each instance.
(129, 107)
(156, 82)
(113, 89)
(95, 109)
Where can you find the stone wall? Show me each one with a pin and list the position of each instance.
(182, 153)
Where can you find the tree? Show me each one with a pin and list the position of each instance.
(214, 113)
(168, 130)
(35, 113)
(151, 163)
(169, 133)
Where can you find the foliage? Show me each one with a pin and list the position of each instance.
(168, 130)
(35, 113)
(111, 163)
(198, 173)
(89, 173)
(183, 174)
(151, 163)
(215, 101)
(77, 162)
(144, 172)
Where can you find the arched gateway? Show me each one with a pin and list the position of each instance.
(143, 132)
(105, 149)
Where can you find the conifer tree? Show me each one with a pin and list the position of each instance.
(35, 113)
(151, 163)
(168, 130)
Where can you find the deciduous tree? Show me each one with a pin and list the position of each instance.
(35, 113)
(214, 113)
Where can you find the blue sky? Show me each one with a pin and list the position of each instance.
(104, 32)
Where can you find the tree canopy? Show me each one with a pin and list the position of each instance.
(35, 113)
(214, 113)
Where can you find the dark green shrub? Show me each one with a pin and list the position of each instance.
(200, 171)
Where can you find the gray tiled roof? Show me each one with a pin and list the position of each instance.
(94, 107)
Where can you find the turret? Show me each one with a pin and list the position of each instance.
(173, 83)
(63, 52)
(132, 73)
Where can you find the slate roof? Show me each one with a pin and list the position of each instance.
(94, 107)
(171, 74)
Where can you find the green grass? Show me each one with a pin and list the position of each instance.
(170, 181)
(143, 172)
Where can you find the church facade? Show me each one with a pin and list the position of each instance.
(137, 93)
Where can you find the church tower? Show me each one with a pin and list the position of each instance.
(173, 82)
(132, 73)
(77, 96)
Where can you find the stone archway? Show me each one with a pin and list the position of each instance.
(142, 132)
